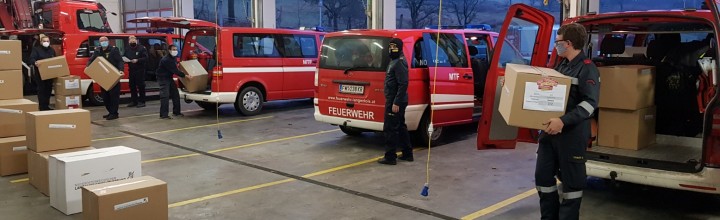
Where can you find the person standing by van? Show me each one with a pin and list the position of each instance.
(396, 100)
(111, 97)
(44, 87)
(138, 56)
(168, 89)
(561, 152)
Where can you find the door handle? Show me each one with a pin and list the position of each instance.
(467, 76)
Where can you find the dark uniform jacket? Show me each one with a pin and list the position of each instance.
(138, 52)
(40, 53)
(168, 67)
(396, 81)
(111, 54)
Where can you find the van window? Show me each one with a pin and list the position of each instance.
(479, 42)
(47, 19)
(84, 50)
(518, 48)
(418, 60)
(300, 46)
(90, 20)
(362, 53)
(255, 45)
(117, 42)
(452, 52)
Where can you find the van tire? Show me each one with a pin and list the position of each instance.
(249, 101)
(95, 98)
(350, 131)
(421, 134)
(207, 106)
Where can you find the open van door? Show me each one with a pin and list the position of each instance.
(530, 28)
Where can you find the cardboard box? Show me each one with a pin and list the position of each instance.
(197, 71)
(629, 87)
(532, 95)
(11, 84)
(38, 168)
(626, 129)
(68, 102)
(13, 156)
(58, 130)
(70, 172)
(67, 85)
(12, 116)
(52, 68)
(10, 55)
(139, 198)
(104, 73)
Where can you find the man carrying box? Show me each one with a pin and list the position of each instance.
(44, 87)
(111, 97)
(562, 144)
(167, 68)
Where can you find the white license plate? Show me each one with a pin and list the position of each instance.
(352, 89)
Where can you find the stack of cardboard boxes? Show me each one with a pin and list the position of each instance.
(13, 150)
(627, 107)
(67, 87)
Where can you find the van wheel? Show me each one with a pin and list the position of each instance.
(350, 131)
(421, 134)
(207, 106)
(249, 101)
(95, 98)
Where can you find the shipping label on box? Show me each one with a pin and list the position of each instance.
(104, 73)
(38, 168)
(139, 198)
(13, 156)
(52, 68)
(12, 116)
(68, 102)
(68, 85)
(70, 172)
(10, 55)
(545, 95)
(11, 84)
(58, 129)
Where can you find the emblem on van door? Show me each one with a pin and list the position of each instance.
(306, 62)
(546, 84)
(454, 76)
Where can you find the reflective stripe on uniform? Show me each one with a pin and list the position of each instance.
(574, 81)
(572, 195)
(546, 189)
(589, 108)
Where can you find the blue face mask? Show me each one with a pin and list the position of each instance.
(104, 44)
(561, 49)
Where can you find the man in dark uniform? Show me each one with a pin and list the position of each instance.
(44, 87)
(562, 144)
(396, 100)
(138, 56)
(168, 89)
(111, 97)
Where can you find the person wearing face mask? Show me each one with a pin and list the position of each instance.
(396, 100)
(561, 151)
(111, 97)
(44, 87)
(168, 89)
(138, 56)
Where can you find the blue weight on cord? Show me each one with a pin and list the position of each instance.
(425, 191)
(219, 134)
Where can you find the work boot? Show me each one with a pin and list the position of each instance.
(132, 105)
(407, 157)
(387, 161)
(165, 117)
(106, 116)
(141, 105)
(179, 115)
(112, 117)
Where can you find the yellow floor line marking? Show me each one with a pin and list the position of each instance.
(111, 138)
(20, 180)
(157, 114)
(170, 158)
(272, 141)
(500, 205)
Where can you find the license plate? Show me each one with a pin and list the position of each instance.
(352, 89)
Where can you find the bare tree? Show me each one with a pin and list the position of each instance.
(333, 10)
(421, 12)
(465, 10)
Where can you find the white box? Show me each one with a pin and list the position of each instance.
(71, 171)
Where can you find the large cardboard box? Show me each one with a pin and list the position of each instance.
(52, 68)
(58, 130)
(10, 55)
(38, 168)
(12, 116)
(68, 102)
(139, 198)
(70, 172)
(626, 129)
(629, 87)
(67, 85)
(532, 95)
(104, 73)
(11, 84)
(13, 156)
(199, 76)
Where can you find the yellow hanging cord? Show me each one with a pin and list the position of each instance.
(432, 102)
(216, 68)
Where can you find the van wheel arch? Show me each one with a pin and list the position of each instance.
(252, 90)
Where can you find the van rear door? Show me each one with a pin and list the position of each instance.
(493, 131)
(299, 65)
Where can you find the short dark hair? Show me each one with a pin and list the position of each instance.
(575, 33)
(171, 46)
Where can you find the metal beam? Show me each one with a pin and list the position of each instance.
(263, 13)
(382, 14)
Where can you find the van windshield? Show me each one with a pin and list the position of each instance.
(362, 53)
(91, 21)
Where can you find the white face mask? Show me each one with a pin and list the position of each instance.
(45, 44)
(173, 53)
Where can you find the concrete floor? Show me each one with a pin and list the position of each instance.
(284, 165)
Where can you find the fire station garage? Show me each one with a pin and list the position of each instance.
(359, 109)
